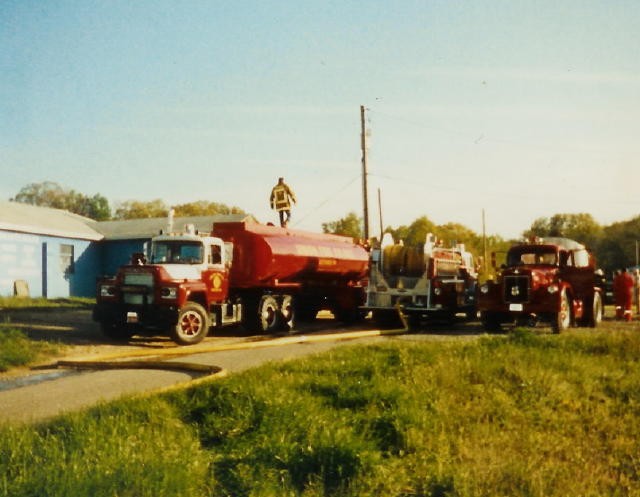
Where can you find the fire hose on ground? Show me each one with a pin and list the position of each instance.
(156, 360)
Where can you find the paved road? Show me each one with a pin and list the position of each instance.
(48, 392)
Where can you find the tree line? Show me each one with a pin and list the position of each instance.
(50, 194)
(614, 245)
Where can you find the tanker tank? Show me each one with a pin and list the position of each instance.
(271, 256)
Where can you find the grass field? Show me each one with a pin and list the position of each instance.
(520, 414)
(9, 303)
(16, 349)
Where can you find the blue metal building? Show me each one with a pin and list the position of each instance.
(57, 254)
(50, 251)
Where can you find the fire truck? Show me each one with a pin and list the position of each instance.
(259, 276)
(420, 282)
(551, 280)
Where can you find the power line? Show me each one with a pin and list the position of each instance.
(327, 200)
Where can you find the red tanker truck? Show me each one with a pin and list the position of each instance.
(260, 276)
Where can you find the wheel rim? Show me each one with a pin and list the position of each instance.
(190, 324)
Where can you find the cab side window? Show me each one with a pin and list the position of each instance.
(216, 254)
(581, 258)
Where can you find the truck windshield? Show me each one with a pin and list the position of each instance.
(177, 252)
(532, 257)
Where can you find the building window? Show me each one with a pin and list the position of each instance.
(66, 258)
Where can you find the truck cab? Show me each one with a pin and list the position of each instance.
(550, 280)
(181, 285)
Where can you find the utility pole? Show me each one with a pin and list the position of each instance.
(485, 265)
(365, 202)
(380, 211)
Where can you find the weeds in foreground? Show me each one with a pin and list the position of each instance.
(15, 303)
(16, 349)
(521, 415)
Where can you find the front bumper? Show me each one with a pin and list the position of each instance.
(145, 316)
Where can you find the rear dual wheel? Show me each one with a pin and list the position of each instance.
(269, 314)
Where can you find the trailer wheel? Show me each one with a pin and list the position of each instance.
(116, 332)
(268, 314)
(562, 319)
(192, 325)
(287, 313)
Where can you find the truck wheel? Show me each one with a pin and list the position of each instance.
(287, 313)
(116, 332)
(562, 319)
(192, 325)
(595, 317)
(268, 314)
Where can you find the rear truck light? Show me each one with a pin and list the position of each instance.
(169, 292)
(107, 291)
(553, 289)
(484, 288)
(437, 291)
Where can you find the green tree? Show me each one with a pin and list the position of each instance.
(346, 226)
(617, 247)
(51, 194)
(205, 208)
(580, 227)
(418, 230)
(135, 209)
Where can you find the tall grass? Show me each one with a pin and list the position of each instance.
(16, 349)
(13, 303)
(521, 415)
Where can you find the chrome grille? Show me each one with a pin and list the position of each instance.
(136, 288)
(516, 289)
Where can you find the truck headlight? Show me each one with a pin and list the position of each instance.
(484, 288)
(107, 291)
(169, 292)
(552, 289)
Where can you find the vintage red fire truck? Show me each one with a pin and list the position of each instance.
(260, 276)
(420, 282)
(550, 280)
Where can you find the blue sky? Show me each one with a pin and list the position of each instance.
(521, 108)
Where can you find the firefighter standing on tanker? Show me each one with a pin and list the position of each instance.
(281, 197)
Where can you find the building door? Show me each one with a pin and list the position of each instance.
(44, 269)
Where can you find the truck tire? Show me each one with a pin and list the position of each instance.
(562, 319)
(595, 316)
(116, 332)
(192, 325)
(287, 313)
(268, 314)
